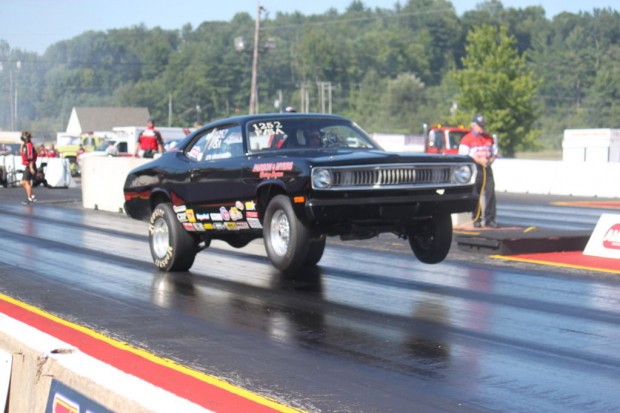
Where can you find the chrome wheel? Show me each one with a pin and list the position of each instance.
(160, 238)
(280, 232)
(287, 239)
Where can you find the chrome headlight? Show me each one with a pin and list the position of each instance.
(321, 178)
(462, 174)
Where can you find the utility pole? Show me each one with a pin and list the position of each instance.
(325, 96)
(252, 109)
(304, 95)
(169, 109)
(12, 91)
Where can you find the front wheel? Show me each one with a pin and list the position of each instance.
(172, 248)
(430, 239)
(287, 239)
(315, 251)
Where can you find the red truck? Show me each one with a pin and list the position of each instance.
(443, 139)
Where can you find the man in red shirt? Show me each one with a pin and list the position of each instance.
(482, 149)
(149, 141)
(29, 161)
(52, 152)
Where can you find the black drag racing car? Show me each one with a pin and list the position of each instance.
(294, 179)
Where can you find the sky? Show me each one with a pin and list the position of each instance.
(33, 25)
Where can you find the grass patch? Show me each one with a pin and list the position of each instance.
(547, 155)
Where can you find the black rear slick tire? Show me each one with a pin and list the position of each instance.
(172, 247)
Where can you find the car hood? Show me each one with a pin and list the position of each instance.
(369, 157)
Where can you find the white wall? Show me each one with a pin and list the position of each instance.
(557, 177)
(103, 179)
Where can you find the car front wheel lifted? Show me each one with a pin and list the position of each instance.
(430, 239)
(287, 239)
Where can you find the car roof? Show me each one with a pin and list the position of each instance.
(265, 116)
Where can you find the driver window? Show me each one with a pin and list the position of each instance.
(217, 143)
(224, 143)
(196, 151)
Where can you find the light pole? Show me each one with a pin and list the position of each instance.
(252, 109)
(12, 92)
(241, 46)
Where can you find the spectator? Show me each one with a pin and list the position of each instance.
(482, 149)
(42, 152)
(52, 152)
(111, 150)
(149, 141)
(29, 160)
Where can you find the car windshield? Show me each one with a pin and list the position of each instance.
(304, 133)
(9, 148)
(104, 145)
(455, 138)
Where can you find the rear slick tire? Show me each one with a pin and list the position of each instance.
(172, 247)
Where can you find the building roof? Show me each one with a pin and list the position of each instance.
(97, 119)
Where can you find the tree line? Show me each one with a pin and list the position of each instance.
(390, 69)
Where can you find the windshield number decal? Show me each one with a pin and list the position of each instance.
(268, 128)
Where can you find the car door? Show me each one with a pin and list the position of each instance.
(214, 162)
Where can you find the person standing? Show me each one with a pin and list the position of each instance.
(111, 150)
(29, 161)
(149, 141)
(52, 152)
(481, 147)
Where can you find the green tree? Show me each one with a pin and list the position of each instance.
(497, 82)
(401, 103)
(602, 106)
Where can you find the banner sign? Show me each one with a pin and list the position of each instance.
(605, 240)
(6, 363)
(63, 399)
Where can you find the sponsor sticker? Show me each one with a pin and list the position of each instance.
(190, 215)
(208, 226)
(254, 223)
(250, 205)
(235, 214)
(219, 226)
(188, 226)
(271, 170)
(203, 217)
(199, 227)
(225, 214)
(239, 205)
(179, 208)
(231, 226)
(251, 214)
(182, 217)
(216, 217)
(243, 225)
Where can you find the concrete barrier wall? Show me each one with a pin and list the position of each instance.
(38, 358)
(103, 179)
(589, 179)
